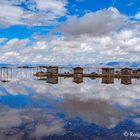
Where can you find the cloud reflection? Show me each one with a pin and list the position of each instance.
(100, 104)
(34, 123)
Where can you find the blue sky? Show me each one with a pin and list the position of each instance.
(127, 7)
(67, 31)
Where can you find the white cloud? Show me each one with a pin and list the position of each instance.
(50, 5)
(118, 46)
(94, 23)
(12, 15)
(2, 39)
(85, 41)
(48, 11)
(137, 16)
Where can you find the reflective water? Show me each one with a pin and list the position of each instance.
(33, 109)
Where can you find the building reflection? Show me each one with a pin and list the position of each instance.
(52, 80)
(126, 81)
(5, 74)
(107, 80)
(78, 80)
(8, 74)
(104, 80)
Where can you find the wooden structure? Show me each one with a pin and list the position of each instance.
(136, 72)
(52, 70)
(78, 70)
(108, 71)
(126, 71)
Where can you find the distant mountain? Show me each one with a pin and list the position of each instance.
(122, 64)
(114, 64)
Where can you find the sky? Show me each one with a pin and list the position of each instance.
(64, 32)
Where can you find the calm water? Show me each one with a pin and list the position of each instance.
(32, 109)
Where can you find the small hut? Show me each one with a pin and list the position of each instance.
(126, 71)
(52, 70)
(78, 70)
(108, 71)
(135, 71)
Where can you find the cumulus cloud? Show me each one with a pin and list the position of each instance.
(103, 36)
(137, 16)
(118, 46)
(94, 23)
(36, 12)
(57, 6)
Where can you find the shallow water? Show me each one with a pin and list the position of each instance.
(91, 110)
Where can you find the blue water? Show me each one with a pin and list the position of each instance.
(31, 109)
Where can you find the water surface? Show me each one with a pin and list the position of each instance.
(61, 109)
